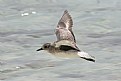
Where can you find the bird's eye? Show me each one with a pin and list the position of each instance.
(45, 46)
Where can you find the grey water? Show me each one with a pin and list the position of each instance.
(27, 24)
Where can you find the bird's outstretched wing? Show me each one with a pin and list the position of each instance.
(64, 28)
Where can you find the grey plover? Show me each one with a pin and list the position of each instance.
(65, 46)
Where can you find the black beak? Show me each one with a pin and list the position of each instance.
(39, 49)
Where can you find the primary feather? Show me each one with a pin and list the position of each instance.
(64, 28)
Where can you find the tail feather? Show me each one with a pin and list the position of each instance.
(86, 56)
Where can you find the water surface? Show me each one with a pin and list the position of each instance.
(26, 24)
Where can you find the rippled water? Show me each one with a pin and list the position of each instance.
(26, 24)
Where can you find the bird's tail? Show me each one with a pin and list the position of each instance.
(86, 56)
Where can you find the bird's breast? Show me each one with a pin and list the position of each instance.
(65, 54)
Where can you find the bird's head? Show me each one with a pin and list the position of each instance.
(44, 47)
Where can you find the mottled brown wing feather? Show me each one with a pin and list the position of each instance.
(64, 28)
(67, 20)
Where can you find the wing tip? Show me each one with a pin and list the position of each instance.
(88, 59)
(69, 17)
(86, 56)
(66, 11)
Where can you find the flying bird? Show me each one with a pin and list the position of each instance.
(65, 45)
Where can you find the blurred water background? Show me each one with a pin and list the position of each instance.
(26, 24)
